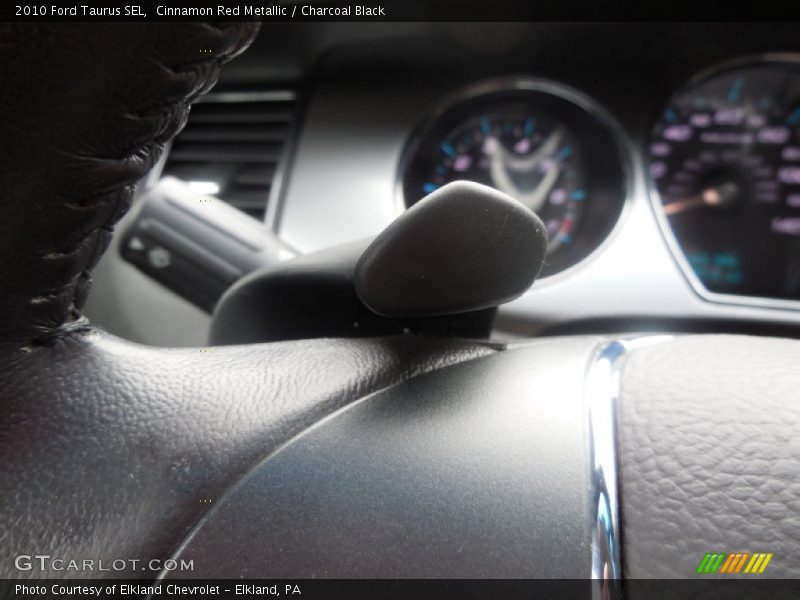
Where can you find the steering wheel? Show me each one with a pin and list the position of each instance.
(401, 456)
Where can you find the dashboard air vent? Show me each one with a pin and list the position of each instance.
(233, 146)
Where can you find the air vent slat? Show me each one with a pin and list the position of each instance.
(280, 112)
(225, 153)
(245, 132)
(247, 202)
(234, 141)
(200, 117)
(254, 176)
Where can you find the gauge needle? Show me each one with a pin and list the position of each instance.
(714, 197)
(535, 199)
(503, 161)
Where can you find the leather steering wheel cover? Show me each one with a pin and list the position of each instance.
(86, 112)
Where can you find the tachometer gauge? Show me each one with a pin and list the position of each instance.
(725, 160)
(547, 147)
(535, 161)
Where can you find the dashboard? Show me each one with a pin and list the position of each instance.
(723, 170)
(664, 159)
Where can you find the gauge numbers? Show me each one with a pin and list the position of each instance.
(725, 160)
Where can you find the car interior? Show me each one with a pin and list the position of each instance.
(506, 302)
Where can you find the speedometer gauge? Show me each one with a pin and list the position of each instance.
(725, 160)
(544, 145)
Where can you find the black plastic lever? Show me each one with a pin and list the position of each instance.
(462, 248)
(197, 245)
(440, 268)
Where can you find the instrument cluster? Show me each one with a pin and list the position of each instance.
(544, 144)
(722, 166)
(724, 161)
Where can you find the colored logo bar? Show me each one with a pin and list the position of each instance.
(739, 562)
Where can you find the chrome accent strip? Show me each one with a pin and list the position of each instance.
(602, 393)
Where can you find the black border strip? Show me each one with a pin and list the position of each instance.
(398, 10)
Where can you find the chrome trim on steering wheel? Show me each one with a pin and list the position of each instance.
(601, 393)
